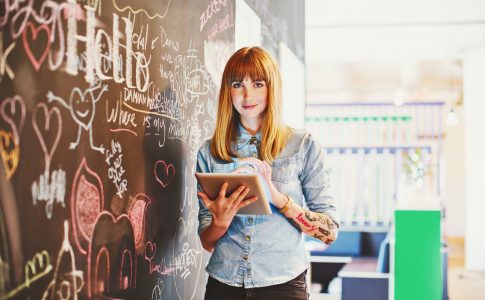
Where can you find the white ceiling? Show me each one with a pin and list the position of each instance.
(381, 30)
(364, 50)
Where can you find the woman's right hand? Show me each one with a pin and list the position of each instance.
(224, 208)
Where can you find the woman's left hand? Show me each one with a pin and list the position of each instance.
(264, 169)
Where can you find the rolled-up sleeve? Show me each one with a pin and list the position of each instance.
(205, 216)
(315, 180)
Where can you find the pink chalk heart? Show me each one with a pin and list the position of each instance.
(32, 31)
(164, 173)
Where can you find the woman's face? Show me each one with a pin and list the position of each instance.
(250, 98)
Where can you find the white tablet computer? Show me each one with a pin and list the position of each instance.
(211, 184)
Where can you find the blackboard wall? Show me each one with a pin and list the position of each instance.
(103, 106)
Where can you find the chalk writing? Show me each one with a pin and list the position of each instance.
(220, 26)
(212, 9)
(4, 66)
(156, 126)
(50, 189)
(118, 115)
(116, 170)
(187, 260)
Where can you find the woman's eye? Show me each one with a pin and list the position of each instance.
(259, 84)
(236, 85)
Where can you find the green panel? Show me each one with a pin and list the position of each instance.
(417, 260)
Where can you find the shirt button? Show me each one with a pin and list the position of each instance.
(245, 257)
(250, 220)
(248, 238)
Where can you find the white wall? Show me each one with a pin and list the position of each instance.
(474, 119)
(293, 77)
(454, 181)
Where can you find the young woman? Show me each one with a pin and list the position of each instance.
(263, 256)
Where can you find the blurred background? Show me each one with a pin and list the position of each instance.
(394, 92)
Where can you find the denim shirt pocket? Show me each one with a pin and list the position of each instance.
(284, 169)
(223, 168)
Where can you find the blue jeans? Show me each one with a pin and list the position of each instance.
(295, 289)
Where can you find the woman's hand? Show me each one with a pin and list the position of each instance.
(264, 169)
(224, 208)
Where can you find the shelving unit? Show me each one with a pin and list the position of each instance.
(378, 153)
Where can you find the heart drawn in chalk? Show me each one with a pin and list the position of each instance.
(82, 107)
(32, 31)
(150, 251)
(42, 120)
(9, 151)
(13, 111)
(164, 173)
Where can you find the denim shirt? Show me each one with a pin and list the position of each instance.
(263, 250)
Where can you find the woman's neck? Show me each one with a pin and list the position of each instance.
(251, 127)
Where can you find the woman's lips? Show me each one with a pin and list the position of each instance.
(248, 106)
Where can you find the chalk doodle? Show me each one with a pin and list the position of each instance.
(157, 290)
(87, 201)
(216, 53)
(82, 107)
(67, 281)
(192, 78)
(12, 111)
(9, 152)
(162, 268)
(35, 269)
(36, 60)
(137, 10)
(111, 266)
(164, 173)
(137, 214)
(51, 188)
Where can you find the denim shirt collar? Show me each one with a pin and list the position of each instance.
(244, 137)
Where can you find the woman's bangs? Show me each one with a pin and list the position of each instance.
(248, 67)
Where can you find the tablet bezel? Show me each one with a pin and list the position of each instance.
(212, 182)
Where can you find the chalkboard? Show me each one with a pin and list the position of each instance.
(103, 106)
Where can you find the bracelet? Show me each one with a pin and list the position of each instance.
(287, 206)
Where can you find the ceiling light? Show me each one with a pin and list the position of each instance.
(399, 96)
(451, 118)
